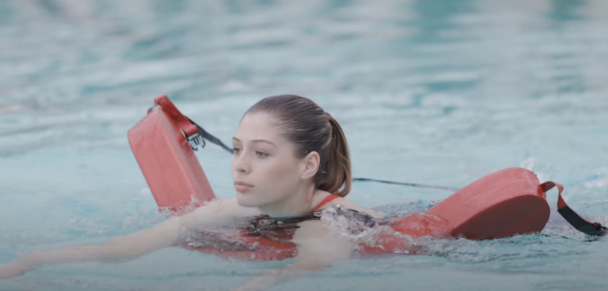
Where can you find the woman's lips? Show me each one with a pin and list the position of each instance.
(242, 186)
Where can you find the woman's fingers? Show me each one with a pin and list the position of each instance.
(14, 269)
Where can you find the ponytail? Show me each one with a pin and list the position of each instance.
(338, 168)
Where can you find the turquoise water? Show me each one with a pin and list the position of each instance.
(436, 92)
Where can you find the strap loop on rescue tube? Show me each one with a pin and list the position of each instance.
(582, 225)
(191, 131)
(182, 122)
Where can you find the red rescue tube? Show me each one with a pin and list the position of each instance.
(171, 169)
(502, 204)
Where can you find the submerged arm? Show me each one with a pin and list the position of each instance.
(317, 250)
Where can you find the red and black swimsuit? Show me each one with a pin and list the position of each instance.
(264, 238)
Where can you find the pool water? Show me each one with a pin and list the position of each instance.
(427, 91)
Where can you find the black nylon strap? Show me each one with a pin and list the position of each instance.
(581, 224)
(204, 134)
(406, 184)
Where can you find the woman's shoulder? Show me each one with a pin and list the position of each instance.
(316, 236)
(217, 212)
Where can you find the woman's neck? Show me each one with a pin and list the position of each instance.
(302, 202)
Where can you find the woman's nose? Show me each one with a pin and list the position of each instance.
(241, 164)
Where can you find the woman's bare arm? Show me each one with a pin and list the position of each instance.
(131, 246)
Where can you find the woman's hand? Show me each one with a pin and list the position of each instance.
(15, 268)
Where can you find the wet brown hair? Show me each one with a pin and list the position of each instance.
(309, 128)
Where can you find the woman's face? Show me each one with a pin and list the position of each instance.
(265, 169)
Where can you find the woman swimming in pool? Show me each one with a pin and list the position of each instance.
(290, 157)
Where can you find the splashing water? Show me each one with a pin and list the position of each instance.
(400, 232)
(354, 226)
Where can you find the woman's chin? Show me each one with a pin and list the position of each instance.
(247, 199)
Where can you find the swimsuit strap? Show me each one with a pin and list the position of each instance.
(327, 199)
(263, 224)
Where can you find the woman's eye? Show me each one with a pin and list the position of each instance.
(261, 154)
(236, 151)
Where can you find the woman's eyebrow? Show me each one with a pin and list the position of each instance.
(263, 140)
(255, 141)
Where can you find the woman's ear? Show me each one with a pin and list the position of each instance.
(310, 164)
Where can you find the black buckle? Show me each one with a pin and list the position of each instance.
(195, 141)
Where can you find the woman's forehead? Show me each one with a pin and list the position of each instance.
(258, 126)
